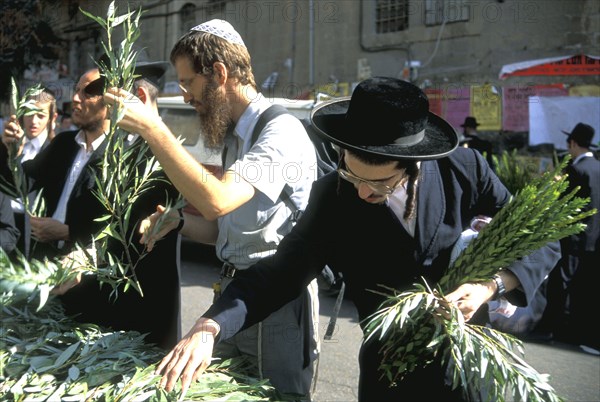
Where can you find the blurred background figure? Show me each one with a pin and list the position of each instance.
(471, 139)
(66, 123)
(573, 282)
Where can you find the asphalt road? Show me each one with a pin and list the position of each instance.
(573, 374)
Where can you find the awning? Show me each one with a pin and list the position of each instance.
(564, 65)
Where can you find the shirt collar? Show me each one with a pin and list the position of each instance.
(80, 140)
(580, 157)
(37, 142)
(249, 118)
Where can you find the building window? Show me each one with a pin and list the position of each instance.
(436, 11)
(391, 16)
(215, 6)
(187, 16)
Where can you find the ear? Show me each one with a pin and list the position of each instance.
(220, 72)
(143, 95)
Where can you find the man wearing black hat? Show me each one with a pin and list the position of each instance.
(392, 213)
(471, 139)
(157, 312)
(577, 275)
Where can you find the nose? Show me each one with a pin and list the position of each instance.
(364, 191)
(186, 96)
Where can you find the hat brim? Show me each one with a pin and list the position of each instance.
(329, 118)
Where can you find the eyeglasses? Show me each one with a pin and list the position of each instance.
(377, 187)
(186, 84)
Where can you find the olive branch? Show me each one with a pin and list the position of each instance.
(127, 171)
(128, 167)
(484, 362)
(47, 356)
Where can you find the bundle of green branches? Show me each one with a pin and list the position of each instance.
(46, 356)
(484, 362)
(512, 171)
(127, 171)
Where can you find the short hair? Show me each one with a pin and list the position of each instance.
(205, 49)
(46, 95)
(150, 87)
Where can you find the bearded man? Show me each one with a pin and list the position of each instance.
(245, 213)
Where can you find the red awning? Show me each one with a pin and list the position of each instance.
(565, 65)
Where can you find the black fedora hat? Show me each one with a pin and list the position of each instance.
(387, 117)
(470, 121)
(582, 134)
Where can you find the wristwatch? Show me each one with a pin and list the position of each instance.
(500, 289)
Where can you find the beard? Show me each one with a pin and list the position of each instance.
(217, 116)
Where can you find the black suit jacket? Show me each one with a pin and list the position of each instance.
(368, 244)
(586, 174)
(20, 217)
(8, 231)
(48, 172)
(157, 311)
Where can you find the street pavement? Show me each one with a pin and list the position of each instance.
(574, 374)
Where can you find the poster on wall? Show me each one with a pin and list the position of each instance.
(585, 90)
(515, 103)
(550, 116)
(435, 100)
(456, 105)
(486, 107)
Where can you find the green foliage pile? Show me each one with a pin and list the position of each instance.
(47, 356)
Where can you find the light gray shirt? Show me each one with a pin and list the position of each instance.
(283, 154)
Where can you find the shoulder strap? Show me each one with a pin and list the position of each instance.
(264, 118)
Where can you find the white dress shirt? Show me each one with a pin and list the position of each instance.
(80, 162)
(30, 149)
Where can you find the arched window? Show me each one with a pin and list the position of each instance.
(187, 18)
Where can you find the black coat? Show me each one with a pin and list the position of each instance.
(9, 234)
(369, 246)
(157, 312)
(586, 174)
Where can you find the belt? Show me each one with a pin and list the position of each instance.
(228, 270)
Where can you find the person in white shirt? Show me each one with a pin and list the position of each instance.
(38, 129)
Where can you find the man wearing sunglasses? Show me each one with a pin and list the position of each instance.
(390, 215)
(157, 312)
(61, 170)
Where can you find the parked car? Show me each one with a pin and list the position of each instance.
(182, 120)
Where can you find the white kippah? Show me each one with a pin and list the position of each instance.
(222, 29)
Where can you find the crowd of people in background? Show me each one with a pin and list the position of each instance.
(386, 136)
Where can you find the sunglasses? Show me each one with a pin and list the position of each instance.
(376, 186)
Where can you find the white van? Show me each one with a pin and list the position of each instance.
(183, 121)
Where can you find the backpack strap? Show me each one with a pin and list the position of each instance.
(265, 117)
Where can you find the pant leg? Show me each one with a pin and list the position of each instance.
(287, 351)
